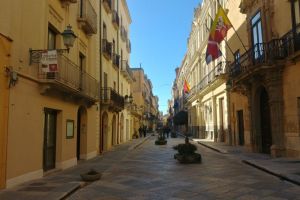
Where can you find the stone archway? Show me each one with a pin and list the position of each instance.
(104, 133)
(81, 132)
(122, 128)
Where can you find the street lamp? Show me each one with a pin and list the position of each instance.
(68, 39)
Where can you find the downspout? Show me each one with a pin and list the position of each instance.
(100, 78)
(118, 122)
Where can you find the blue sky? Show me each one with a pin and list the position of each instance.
(158, 35)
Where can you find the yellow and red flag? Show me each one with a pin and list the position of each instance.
(186, 87)
(218, 32)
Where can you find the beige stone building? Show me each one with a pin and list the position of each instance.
(53, 92)
(146, 103)
(265, 78)
(116, 77)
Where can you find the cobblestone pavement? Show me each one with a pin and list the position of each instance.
(150, 172)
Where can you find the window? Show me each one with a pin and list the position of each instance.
(104, 31)
(237, 57)
(81, 68)
(115, 86)
(51, 39)
(257, 37)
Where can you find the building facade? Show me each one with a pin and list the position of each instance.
(264, 79)
(53, 88)
(116, 78)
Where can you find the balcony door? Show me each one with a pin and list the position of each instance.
(49, 139)
(81, 71)
(257, 36)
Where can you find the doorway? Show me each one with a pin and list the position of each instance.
(81, 131)
(104, 130)
(240, 121)
(266, 133)
(49, 150)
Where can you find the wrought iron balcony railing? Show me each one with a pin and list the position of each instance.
(115, 19)
(111, 99)
(106, 48)
(107, 5)
(116, 60)
(66, 2)
(219, 70)
(266, 54)
(125, 70)
(67, 78)
(87, 17)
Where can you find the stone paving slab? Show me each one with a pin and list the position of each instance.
(285, 168)
(60, 184)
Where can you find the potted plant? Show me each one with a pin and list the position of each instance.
(161, 140)
(91, 175)
(186, 153)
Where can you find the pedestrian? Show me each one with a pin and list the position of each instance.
(145, 130)
(141, 131)
(168, 131)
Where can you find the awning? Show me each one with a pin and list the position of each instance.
(181, 118)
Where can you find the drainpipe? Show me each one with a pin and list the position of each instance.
(100, 77)
(118, 50)
(294, 25)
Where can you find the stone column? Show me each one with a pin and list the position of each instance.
(275, 91)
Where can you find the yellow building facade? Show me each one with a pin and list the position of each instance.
(116, 78)
(53, 117)
(264, 79)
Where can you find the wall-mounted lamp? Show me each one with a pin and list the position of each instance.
(68, 39)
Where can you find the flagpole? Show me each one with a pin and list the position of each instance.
(234, 29)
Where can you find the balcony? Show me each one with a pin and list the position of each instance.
(68, 81)
(125, 70)
(107, 5)
(123, 34)
(87, 17)
(128, 46)
(67, 2)
(263, 56)
(115, 19)
(116, 60)
(111, 100)
(107, 49)
(215, 74)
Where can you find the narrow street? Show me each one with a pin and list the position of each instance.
(151, 172)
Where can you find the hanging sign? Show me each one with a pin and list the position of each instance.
(49, 61)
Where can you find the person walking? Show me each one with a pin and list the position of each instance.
(141, 131)
(145, 130)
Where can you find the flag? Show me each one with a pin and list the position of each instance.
(218, 32)
(212, 51)
(220, 26)
(186, 87)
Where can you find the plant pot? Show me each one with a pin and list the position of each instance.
(161, 142)
(90, 177)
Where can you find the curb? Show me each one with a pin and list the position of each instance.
(281, 176)
(71, 191)
(140, 143)
(213, 148)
